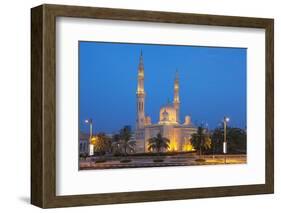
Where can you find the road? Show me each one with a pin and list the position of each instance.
(188, 159)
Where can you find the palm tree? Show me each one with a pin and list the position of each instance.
(201, 140)
(123, 141)
(128, 146)
(158, 142)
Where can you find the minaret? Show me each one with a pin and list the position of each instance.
(176, 96)
(140, 95)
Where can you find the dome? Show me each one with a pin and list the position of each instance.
(147, 120)
(187, 120)
(168, 114)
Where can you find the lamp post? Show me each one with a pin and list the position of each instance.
(91, 146)
(225, 120)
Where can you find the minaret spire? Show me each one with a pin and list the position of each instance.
(140, 95)
(176, 96)
(141, 67)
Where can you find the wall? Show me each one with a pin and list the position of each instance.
(15, 104)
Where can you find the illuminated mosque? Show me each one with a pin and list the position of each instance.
(169, 124)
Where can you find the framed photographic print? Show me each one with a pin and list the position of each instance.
(136, 106)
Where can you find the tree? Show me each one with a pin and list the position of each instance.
(158, 142)
(236, 140)
(217, 139)
(116, 137)
(201, 140)
(123, 141)
(116, 144)
(102, 143)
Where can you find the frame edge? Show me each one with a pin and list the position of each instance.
(269, 138)
(37, 197)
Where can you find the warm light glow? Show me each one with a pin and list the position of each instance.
(188, 147)
(173, 146)
(167, 122)
(140, 90)
(141, 74)
(93, 140)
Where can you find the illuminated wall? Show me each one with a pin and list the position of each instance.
(168, 115)
(179, 136)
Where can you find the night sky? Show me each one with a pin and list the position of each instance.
(212, 83)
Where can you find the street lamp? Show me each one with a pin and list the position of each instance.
(91, 146)
(225, 121)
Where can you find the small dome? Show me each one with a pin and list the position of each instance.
(187, 120)
(147, 120)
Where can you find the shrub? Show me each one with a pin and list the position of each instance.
(200, 160)
(158, 160)
(125, 161)
(100, 161)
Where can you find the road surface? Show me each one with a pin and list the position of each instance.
(189, 159)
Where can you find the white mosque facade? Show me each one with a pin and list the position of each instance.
(169, 124)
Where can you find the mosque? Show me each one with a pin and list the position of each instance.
(169, 124)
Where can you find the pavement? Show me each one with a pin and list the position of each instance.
(188, 159)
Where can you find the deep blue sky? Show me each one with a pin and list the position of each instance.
(212, 83)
